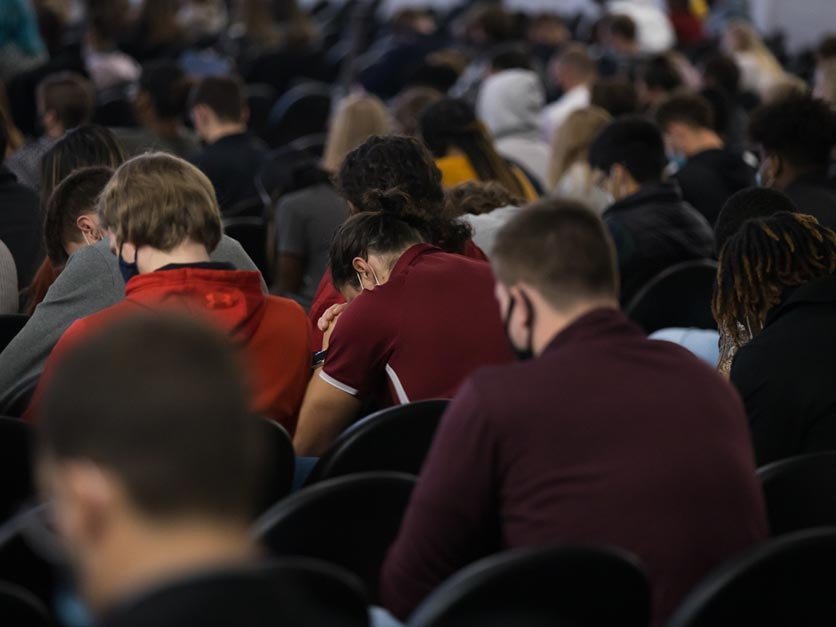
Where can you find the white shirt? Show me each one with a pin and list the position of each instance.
(556, 113)
(487, 225)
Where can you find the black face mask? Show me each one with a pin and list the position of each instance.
(526, 353)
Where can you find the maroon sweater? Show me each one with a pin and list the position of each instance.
(608, 438)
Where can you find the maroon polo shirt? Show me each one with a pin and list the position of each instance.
(421, 333)
(608, 438)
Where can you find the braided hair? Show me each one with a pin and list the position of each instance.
(764, 259)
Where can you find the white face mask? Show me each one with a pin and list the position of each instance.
(86, 241)
(374, 274)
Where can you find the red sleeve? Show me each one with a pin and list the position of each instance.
(361, 346)
(472, 251)
(326, 296)
(452, 518)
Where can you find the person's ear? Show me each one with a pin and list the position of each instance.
(84, 497)
(88, 224)
(363, 268)
(245, 114)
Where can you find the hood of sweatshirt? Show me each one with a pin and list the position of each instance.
(511, 102)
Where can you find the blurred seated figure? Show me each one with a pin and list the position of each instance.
(409, 105)
(570, 175)
(409, 332)
(658, 78)
(760, 71)
(9, 297)
(537, 453)
(107, 65)
(720, 79)
(775, 301)
(21, 45)
(616, 96)
(203, 20)
(796, 137)
(485, 207)
(357, 118)
(162, 221)
(157, 33)
(710, 173)
(232, 156)
(160, 106)
(652, 226)
(573, 71)
(154, 480)
(464, 151)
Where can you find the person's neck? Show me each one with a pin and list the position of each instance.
(222, 130)
(702, 140)
(151, 259)
(54, 132)
(143, 554)
(555, 322)
(791, 174)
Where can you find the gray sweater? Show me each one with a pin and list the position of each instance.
(90, 282)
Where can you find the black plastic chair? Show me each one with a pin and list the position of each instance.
(20, 608)
(349, 521)
(677, 297)
(800, 492)
(30, 554)
(787, 582)
(17, 401)
(302, 110)
(279, 476)
(10, 326)
(251, 233)
(577, 586)
(260, 100)
(247, 208)
(395, 439)
(17, 486)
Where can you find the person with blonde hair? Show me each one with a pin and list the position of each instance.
(759, 69)
(358, 117)
(570, 176)
(163, 221)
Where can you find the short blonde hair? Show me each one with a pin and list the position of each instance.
(572, 139)
(358, 118)
(162, 201)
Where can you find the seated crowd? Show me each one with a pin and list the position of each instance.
(218, 215)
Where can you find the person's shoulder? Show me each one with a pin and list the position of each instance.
(287, 308)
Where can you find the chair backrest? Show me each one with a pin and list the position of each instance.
(28, 554)
(260, 100)
(556, 586)
(17, 401)
(251, 233)
(10, 326)
(20, 608)
(17, 486)
(349, 521)
(395, 439)
(677, 297)
(302, 110)
(788, 581)
(279, 475)
(800, 492)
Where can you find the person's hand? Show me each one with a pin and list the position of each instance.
(328, 321)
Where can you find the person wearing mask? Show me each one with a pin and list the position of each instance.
(232, 156)
(775, 300)
(795, 137)
(652, 226)
(510, 104)
(658, 78)
(709, 174)
(156, 522)
(523, 458)
(573, 71)
(64, 101)
(409, 332)
(163, 221)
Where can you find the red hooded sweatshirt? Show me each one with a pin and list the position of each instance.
(273, 333)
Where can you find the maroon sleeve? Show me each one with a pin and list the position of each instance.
(452, 518)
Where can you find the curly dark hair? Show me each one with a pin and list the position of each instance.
(479, 197)
(397, 175)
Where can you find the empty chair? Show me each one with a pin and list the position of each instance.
(800, 492)
(251, 233)
(349, 521)
(787, 582)
(20, 608)
(548, 587)
(10, 326)
(300, 111)
(395, 439)
(677, 297)
(17, 486)
(279, 475)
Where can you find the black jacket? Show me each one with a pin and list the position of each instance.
(654, 229)
(232, 163)
(20, 226)
(786, 375)
(708, 179)
(815, 194)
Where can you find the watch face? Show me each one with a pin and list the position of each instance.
(319, 358)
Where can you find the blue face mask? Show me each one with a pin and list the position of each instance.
(128, 270)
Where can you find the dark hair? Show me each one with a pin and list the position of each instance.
(397, 175)
(74, 196)
(721, 108)
(617, 96)
(4, 134)
(83, 147)
(224, 95)
(749, 203)
(512, 56)
(577, 57)
(451, 123)
(722, 71)
(364, 233)
(167, 86)
(561, 248)
(659, 72)
(478, 197)
(635, 143)
(70, 96)
(168, 417)
(799, 128)
(761, 261)
(622, 26)
(685, 108)
(410, 104)
(827, 47)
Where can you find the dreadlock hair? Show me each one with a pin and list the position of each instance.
(766, 257)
